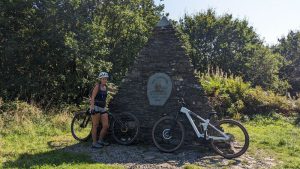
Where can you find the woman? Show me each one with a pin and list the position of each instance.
(98, 111)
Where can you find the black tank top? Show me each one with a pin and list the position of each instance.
(100, 99)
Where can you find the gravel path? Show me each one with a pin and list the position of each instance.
(148, 156)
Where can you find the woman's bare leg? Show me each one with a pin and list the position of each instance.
(95, 120)
(105, 125)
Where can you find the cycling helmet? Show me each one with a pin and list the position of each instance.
(103, 74)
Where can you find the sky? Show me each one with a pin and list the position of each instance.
(271, 19)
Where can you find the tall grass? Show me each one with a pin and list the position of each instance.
(21, 117)
(233, 97)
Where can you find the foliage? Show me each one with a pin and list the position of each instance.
(51, 51)
(263, 69)
(233, 97)
(129, 25)
(232, 45)
(289, 48)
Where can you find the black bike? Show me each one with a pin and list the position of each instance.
(124, 127)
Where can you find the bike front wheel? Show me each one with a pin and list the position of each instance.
(125, 128)
(81, 126)
(238, 141)
(168, 134)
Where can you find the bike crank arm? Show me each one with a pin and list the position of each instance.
(217, 138)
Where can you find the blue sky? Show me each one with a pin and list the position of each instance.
(271, 19)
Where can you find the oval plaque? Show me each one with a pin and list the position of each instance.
(159, 88)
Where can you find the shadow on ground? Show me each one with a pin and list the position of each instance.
(133, 156)
(54, 157)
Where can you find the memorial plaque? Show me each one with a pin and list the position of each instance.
(159, 88)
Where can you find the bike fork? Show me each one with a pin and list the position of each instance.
(85, 121)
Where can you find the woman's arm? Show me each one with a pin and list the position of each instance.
(94, 93)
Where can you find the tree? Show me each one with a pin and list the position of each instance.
(52, 50)
(289, 48)
(129, 25)
(230, 44)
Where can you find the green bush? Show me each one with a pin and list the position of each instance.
(260, 101)
(233, 97)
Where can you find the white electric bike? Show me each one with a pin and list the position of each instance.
(227, 137)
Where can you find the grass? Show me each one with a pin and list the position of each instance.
(278, 137)
(40, 141)
(192, 166)
(274, 137)
(44, 149)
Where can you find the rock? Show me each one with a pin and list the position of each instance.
(149, 157)
(163, 53)
(171, 162)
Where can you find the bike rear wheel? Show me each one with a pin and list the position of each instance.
(168, 134)
(125, 128)
(81, 126)
(238, 142)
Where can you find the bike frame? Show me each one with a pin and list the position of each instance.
(205, 124)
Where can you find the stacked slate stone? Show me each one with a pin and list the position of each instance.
(163, 53)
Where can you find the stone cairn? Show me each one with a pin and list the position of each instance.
(163, 53)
